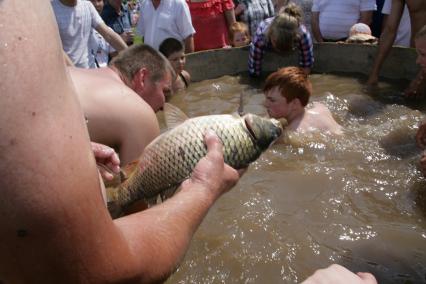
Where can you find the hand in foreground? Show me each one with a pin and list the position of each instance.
(421, 135)
(106, 159)
(211, 172)
(337, 274)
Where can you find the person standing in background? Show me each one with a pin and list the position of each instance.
(162, 19)
(211, 20)
(332, 19)
(417, 11)
(403, 35)
(117, 16)
(99, 49)
(76, 19)
(252, 12)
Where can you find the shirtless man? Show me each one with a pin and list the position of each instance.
(287, 92)
(120, 101)
(55, 227)
(417, 9)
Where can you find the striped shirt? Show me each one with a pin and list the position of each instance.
(261, 44)
(256, 11)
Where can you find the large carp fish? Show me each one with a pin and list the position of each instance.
(169, 159)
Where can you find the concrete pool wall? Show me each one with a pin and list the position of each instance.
(329, 58)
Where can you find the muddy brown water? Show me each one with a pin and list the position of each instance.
(318, 200)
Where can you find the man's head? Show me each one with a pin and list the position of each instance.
(421, 48)
(287, 91)
(283, 31)
(147, 72)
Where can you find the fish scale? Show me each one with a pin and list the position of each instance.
(171, 157)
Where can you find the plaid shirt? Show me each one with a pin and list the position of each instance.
(261, 43)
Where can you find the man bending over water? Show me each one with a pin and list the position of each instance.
(120, 101)
(287, 93)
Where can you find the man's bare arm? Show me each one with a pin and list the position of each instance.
(111, 37)
(189, 44)
(366, 17)
(387, 39)
(315, 27)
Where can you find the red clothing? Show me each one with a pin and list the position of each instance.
(208, 19)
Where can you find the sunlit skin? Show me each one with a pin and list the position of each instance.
(421, 54)
(155, 93)
(178, 60)
(299, 119)
(278, 107)
(240, 39)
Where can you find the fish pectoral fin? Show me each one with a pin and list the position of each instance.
(128, 170)
(173, 115)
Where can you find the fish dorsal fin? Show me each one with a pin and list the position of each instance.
(173, 115)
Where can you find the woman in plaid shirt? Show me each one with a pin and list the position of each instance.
(282, 34)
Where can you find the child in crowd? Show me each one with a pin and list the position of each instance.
(287, 93)
(361, 33)
(173, 49)
(282, 33)
(239, 34)
(99, 49)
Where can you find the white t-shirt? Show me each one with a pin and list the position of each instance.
(99, 49)
(403, 34)
(170, 19)
(336, 17)
(75, 26)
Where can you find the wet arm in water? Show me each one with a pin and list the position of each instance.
(387, 39)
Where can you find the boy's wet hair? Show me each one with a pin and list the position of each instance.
(137, 56)
(238, 27)
(292, 82)
(170, 45)
(422, 33)
(284, 28)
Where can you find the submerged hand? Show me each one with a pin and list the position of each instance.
(337, 274)
(106, 159)
(211, 172)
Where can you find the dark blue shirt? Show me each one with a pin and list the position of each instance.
(118, 22)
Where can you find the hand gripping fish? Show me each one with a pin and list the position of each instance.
(169, 159)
